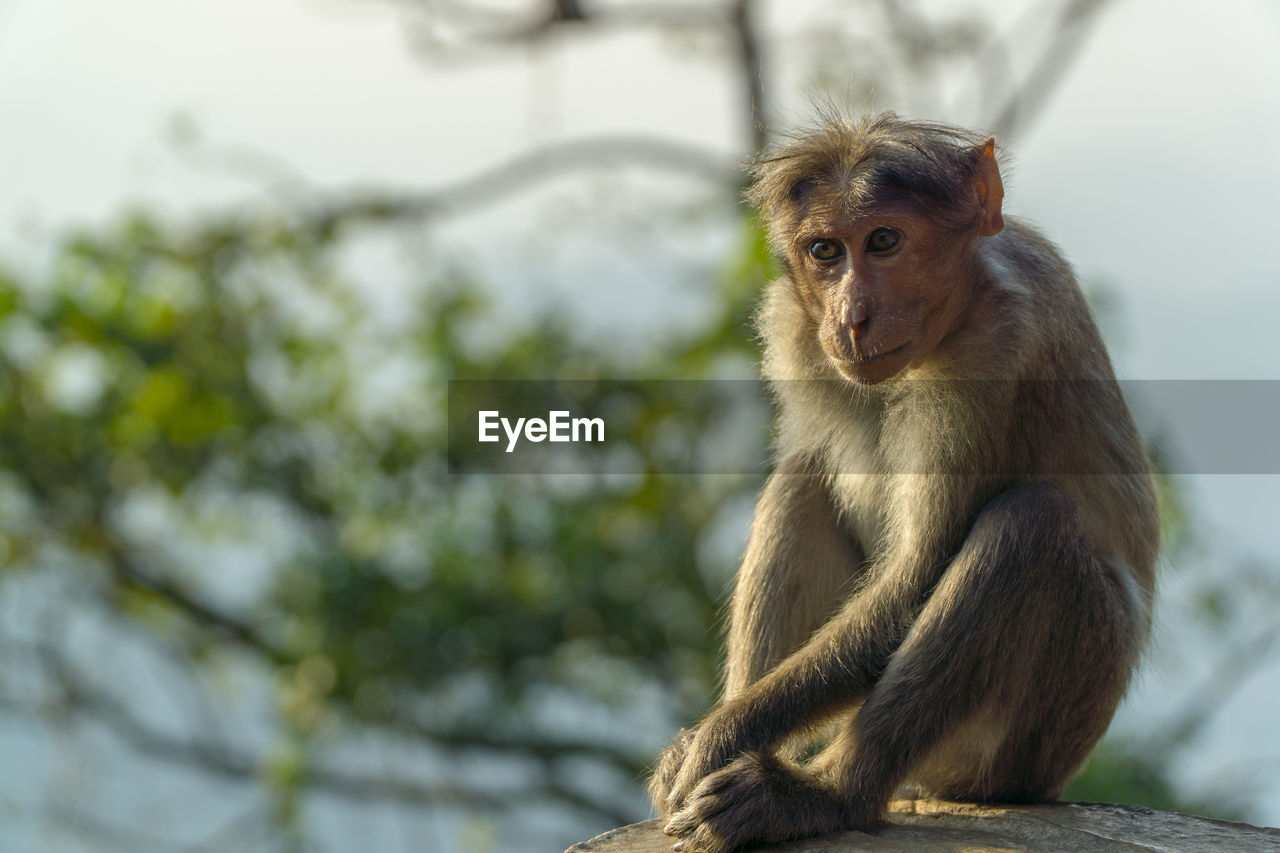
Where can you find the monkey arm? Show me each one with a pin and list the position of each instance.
(845, 652)
(798, 564)
(834, 670)
(837, 647)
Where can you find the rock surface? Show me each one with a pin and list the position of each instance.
(933, 826)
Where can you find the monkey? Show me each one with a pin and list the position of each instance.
(952, 563)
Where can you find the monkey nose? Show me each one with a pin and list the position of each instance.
(855, 318)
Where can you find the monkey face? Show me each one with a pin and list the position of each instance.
(878, 221)
(879, 286)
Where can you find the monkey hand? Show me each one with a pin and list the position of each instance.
(663, 778)
(759, 799)
(698, 753)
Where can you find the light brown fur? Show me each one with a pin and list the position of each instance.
(954, 559)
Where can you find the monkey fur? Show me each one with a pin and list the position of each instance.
(953, 562)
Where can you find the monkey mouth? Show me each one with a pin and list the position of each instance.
(868, 359)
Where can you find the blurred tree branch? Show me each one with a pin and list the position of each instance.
(919, 42)
(449, 31)
(1233, 670)
(127, 574)
(504, 587)
(76, 696)
(1073, 23)
(522, 172)
(527, 743)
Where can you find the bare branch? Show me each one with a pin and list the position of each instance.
(752, 66)
(532, 745)
(1028, 98)
(527, 170)
(455, 33)
(1234, 669)
(80, 698)
(128, 573)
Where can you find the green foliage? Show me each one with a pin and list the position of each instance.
(228, 375)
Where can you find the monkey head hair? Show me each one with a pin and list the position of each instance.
(861, 164)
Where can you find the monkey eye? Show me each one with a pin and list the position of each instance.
(882, 240)
(826, 250)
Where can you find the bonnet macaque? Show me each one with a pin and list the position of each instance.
(951, 567)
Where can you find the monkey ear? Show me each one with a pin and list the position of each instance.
(990, 190)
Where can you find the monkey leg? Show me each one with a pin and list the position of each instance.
(1004, 681)
(1012, 670)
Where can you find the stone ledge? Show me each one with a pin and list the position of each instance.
(934, 826)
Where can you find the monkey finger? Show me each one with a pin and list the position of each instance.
(663, 787)
(684, 795)
(694, 815)
(677, 792)
(723, 826)
(714, 794)
(684, 786)
(714, 784)
(683, 822)
(704, 840)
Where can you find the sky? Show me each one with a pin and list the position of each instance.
(1155, 166)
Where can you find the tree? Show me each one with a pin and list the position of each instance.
(216, 456)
